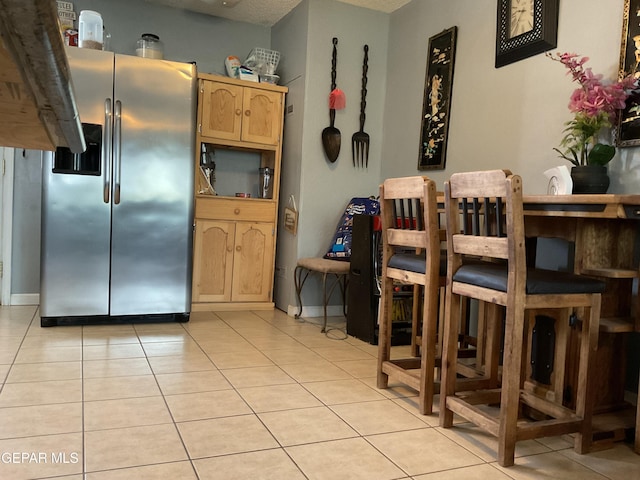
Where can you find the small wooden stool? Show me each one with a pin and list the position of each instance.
(337, 268)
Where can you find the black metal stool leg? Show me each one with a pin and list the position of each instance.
(299, 283)
(343, 288)
(300, 275)
(325, 300)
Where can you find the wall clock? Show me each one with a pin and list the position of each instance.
(525, 28)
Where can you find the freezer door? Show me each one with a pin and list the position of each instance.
(152, 213)
(75, 248)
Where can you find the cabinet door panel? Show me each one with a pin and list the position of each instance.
(262, 121)
(252, 264)
(213, 261)
(221, 110)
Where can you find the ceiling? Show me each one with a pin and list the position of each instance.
(264, 12)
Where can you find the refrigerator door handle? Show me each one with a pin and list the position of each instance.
(117, 150)
(106, 150)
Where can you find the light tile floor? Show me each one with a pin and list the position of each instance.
(236, 395)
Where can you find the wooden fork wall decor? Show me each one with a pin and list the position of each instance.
(360, 139)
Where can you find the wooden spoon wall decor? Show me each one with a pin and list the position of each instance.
(331, 138)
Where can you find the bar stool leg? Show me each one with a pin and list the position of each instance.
(449, 356)
(384, 330)
(584, 392)
(511, 373)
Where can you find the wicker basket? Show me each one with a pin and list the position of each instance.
(263, 61)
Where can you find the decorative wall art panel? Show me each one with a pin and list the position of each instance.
(437, 100)
(628, 131)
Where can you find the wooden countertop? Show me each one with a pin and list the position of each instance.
(606, 205)
(37, 106)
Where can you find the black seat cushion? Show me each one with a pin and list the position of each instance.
(539, 281)
(416, 263)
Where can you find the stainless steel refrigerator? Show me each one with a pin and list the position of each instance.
(117, 220)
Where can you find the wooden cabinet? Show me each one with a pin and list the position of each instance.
(602, 234)
(234, 261)
(213, 261)
(253, 262)
(245, 114)
(234, 241)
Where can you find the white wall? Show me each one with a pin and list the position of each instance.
(289, 37)
(6, 221)
(325, 188)
(25, 255)
(511, 117)
(187, 36)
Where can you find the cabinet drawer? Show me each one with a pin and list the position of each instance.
(230, 209)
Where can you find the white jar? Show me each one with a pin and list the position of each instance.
(90, 30)
(150, 46)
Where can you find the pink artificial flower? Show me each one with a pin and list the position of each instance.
(595, 106)
(593, 98)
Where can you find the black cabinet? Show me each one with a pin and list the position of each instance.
(364, 294)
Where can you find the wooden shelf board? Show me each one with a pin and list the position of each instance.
(611, 272)
(228, 197)
(617, 325)
(238, 145)
(622, 417)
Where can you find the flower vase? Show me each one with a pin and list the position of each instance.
(590, 179)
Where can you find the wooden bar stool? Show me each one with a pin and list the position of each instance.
(335, 270)
(487, 261)
(411, 255)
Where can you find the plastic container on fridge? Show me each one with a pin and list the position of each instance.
(150, 46)
(90, 30)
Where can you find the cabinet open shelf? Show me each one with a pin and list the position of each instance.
(239, 133)
(236, 170)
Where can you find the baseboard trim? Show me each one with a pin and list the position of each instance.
(25, 299)
(230, 306)
(315, 311)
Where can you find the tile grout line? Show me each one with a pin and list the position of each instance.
(164, 399)
(84, 445)
(234, 388)
(13, 362)
(396, 400)
(328, 407)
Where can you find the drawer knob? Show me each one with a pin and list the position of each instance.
(247, 113)
(237, 211)
(238, 248)
(238, 112)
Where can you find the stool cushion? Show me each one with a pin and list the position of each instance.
(323, 265)
(416, 263)
(539, 281)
